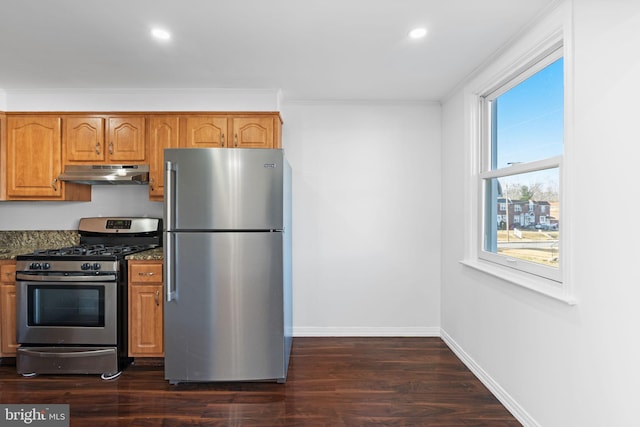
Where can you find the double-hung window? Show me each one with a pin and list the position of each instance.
(521, 148)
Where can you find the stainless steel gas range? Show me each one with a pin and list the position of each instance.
(72, 301)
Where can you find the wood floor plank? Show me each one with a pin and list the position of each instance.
(331, 382)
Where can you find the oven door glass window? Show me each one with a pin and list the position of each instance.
(60, 305)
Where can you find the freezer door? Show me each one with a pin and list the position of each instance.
(224, 189)
(226, 320)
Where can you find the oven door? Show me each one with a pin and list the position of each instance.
(67, 313)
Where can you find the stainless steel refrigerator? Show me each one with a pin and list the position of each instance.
(227, 261)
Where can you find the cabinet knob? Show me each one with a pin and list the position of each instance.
(54, 184)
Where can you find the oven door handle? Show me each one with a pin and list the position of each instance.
(41, 278)
(67, 354)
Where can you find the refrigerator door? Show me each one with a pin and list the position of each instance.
(224, 189)
(225, 322)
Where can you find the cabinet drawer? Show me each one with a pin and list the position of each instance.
(7, 273)
(145, 273)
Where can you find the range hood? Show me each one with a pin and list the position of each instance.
(106, 174)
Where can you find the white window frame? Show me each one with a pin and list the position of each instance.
(552, 33)
(543, 271)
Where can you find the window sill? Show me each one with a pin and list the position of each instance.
(534, 283)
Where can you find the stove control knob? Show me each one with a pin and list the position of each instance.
(96, 266)
(85, 266)
(46, 266)
(35, 266)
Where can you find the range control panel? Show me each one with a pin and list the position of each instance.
(118, 224)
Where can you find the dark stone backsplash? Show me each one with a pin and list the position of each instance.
(14, 243)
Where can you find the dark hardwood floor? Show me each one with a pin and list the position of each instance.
(331, 382)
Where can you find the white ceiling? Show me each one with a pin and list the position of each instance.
(310, 49)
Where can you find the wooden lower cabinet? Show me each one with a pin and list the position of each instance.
(8, 343)
(145, 309)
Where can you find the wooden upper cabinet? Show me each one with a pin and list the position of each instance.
(253, 132)
(126, 139)
(3, 156)
(34, 161)
(207, 131)
(84, 139)
(33, 157)
(35, 147)
(104, 139)
(163, 133)
(250, 130)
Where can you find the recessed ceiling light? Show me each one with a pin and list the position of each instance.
(160, 34)
(418, 33)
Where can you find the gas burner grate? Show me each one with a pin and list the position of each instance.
(93, 250)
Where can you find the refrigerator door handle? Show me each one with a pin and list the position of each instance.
(169, 193)
(169, 256)
(171, 290)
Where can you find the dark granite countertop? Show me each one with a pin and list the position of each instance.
(151, 254)
(14, 243)
(11, 252)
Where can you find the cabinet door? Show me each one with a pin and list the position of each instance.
(253, 132)
(145, 330)
(126, 139)
(3, 156)
(8, 343)
(83, 139)
(145, 309)
(205, 131)
(163, 133)
(33, 157)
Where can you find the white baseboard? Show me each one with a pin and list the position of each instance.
(501, 394)
(313, 331)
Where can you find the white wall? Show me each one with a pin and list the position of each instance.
(366, 191)
(554, 364)
(366, 202)
(106, 200)
(140, 100)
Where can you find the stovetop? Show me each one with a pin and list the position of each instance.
(86, 258)
(102, 239)
(94, 250)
